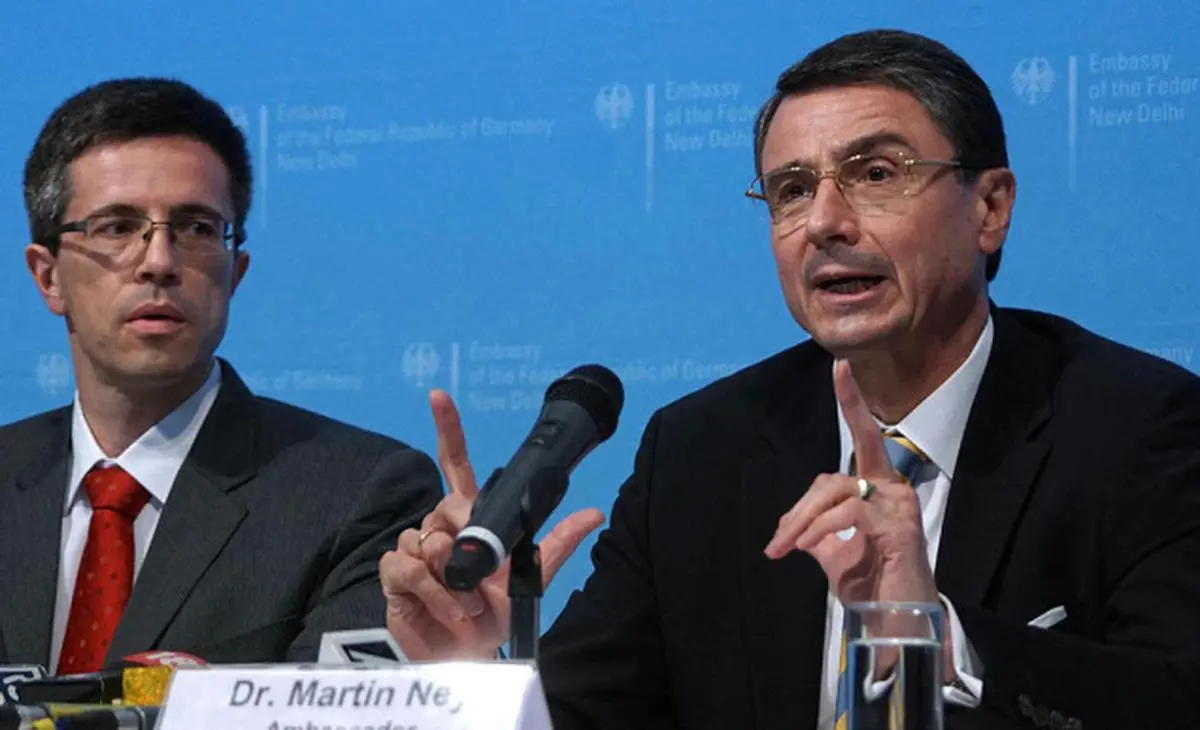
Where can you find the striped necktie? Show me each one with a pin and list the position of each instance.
(907, 458)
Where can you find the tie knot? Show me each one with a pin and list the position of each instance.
(895, 437)
(113, 488)
(906, 456)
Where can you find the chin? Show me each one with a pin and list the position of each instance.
(157, 367)
(851, 336)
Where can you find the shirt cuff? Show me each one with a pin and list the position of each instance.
(967, 690)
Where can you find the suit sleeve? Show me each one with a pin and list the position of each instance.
(400, 490)
(1136, 661)
(602, 662)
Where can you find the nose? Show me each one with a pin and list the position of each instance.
(831, 220)
(160, 259)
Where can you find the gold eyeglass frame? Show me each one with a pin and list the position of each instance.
(902, 161)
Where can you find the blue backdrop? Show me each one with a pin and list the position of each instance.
(478, 196)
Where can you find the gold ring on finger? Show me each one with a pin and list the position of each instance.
(422, 538)
(865, 489)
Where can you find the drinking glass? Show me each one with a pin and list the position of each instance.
(894, 666)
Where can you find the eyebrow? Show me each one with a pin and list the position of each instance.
(859, 146)
(196, 209)
(185, 209)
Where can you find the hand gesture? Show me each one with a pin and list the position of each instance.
(885, 559)
(427, 619)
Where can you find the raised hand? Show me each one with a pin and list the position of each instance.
(427, 619)
(885, 559)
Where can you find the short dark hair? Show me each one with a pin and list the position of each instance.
(955, 97)
(122, 110)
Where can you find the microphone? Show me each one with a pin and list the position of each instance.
(360, 647)
(101, 687)
(580, 411)
(132, 717)
(11, 678)
(140, 678)
(162, 658)
(96, 716)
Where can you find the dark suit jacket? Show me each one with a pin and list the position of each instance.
(272, 533)
(1077, 485)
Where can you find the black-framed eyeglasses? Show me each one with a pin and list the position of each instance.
(121, 234)
(876, 182)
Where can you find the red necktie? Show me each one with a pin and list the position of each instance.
(105, 577)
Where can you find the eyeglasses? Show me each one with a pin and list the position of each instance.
(120, 235)
(878, 182)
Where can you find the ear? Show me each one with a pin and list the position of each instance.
(241, 262)
(997, 191)
(43, 265)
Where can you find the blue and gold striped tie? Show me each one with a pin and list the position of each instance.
(907, 458)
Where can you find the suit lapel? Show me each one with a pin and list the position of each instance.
(31, 525)
(1003, 448)
(202, 513)
(785, 600)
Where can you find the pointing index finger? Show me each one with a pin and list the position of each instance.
(870, 455)
(452, 445)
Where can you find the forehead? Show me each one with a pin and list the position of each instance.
(152, 173)
(816, 127)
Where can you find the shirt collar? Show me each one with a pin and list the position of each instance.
(155, 458)
(937, 424)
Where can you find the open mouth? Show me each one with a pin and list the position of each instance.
(849, 284)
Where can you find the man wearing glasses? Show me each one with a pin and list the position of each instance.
(168, 507)
(1035, 483)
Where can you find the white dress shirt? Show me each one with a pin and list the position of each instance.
(153, 460)
(936, 426)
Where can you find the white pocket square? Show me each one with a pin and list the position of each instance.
(1049, 618)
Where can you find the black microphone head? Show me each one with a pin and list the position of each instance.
(597, 389)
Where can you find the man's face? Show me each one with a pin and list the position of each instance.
(863, 269)
(157, 312)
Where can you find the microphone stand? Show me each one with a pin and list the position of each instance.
(525, 586)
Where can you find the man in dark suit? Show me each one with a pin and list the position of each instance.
(169, 507)
(1052, 511)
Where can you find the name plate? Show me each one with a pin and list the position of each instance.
(418, 696)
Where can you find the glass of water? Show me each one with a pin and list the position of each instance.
(894, 666)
